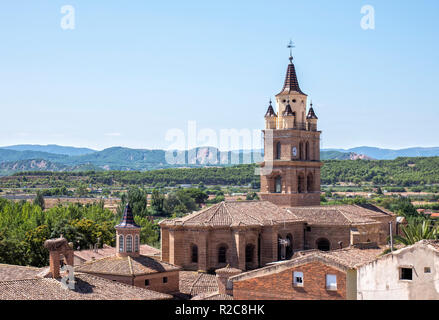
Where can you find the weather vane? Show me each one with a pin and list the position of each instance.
(291, 46)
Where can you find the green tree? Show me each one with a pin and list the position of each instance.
(416, 231)
(37, 255)
(157, 202)
(138, 200)
(39, 200)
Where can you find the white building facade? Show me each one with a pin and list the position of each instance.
(411, 273)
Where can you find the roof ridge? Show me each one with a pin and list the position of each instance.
(242, 211)
(194, 214)
(131, 266)
(228, 212)
(215, 211)
(344, 215)
(196, 281)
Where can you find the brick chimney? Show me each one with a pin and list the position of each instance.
(222, 277)
(60, 253)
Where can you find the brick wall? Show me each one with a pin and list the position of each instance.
(279, 286)
(156, 282)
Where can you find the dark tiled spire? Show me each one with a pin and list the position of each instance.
(127, 219)
(311, 113)
(288, 111)
(291, 83)
(270, 111)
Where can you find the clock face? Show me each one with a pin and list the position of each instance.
(294, 151)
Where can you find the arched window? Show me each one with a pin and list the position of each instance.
(289, 250)
(121, 243)
(136, 243)
(323, 244)
(129, 243)
(309, 183)
(300, 184)
(194, 253)
(301, 150)
(278, 185)
(222, 254)
(307, 150)
(249, 253)
(278, 150)
(280, 253)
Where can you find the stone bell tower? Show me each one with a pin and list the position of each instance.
(290, 173)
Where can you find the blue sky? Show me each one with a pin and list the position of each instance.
(131, 70)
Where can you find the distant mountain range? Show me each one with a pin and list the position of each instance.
(51, 148)
(60, 158)
(389, 154)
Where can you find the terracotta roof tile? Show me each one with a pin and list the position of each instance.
(348, 258)
(107, 251)
(126, 266)
(87, 287)
(337, 215)
(236, 213)
(212, 296)
(194, 283)
(12, 272)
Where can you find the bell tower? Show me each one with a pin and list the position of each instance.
(290, 173)
(128, 235)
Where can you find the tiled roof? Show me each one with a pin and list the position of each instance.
(107, 251)
(291, 84)
(344, 259)
(288, 111)
(228, 269)
(337, 215)
(194, 283)
(311, 114)
(12, 272)
(127, 219)
(87, 287)
(212, 296)
(126, 266)
(270, 111)
(236, 213)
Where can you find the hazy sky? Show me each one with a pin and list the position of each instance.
(132, 70)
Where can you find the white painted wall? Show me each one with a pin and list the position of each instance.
(380, 280)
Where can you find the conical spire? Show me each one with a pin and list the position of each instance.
(288, 111)
(127, 219)
(270, 111)
(291, 83)
(311, 113)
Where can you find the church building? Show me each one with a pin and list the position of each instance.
(251, 234)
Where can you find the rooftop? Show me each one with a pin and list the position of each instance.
(87, 287)
(339, 215)
(12, 272)
(235, 213)
(126, 266)
(343, 259)
(213, 296)
(194, 283)
(264, 213)
(107, 251)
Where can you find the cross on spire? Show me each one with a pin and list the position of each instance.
(291, 46)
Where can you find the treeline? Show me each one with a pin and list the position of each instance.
(399, 172)
(25, 226)
(403, 172)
